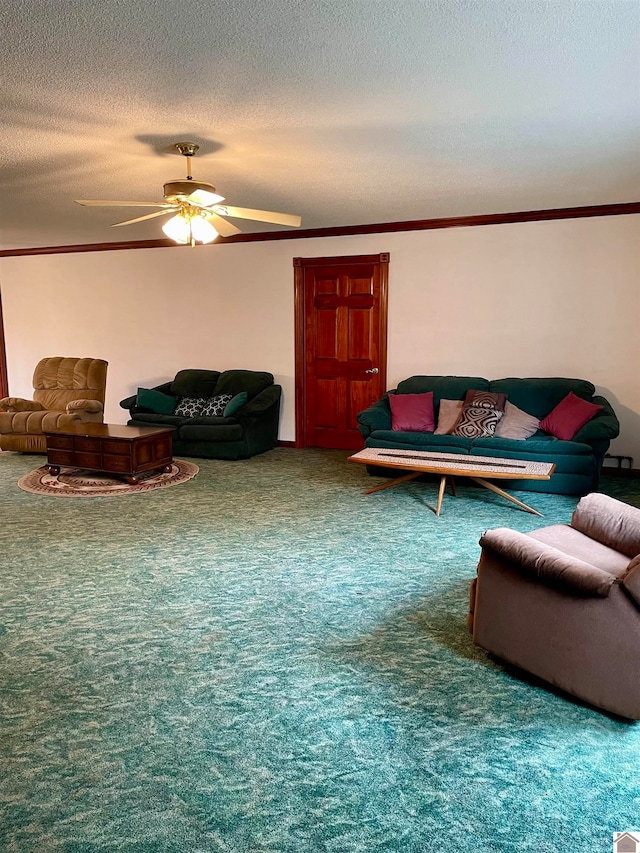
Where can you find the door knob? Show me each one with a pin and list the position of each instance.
(372, 370)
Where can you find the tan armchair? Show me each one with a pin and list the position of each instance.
(563, 602)
(65, 390)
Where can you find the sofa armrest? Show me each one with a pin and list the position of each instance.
(130, 402)
(377, 416)
(92, 407)
(605, 425)
(263, 401)
(547, 564)
(18, 404)
(609, 521)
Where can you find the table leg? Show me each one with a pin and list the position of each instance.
(443, 483)
(493, 488)
(394, 482)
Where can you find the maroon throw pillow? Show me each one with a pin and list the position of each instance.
(412, 412)
(568, 416)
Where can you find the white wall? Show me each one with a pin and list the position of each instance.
(528, 299)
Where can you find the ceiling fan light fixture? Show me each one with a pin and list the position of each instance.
(203, 231)
(177, 229)
(187, 227)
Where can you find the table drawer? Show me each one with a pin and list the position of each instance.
(60, 457)
(116, 464)
(84, 443)
(87, 460)
(120, 448)
(64, 442)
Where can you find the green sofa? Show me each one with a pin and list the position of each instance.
(578, 462)
(251, 429)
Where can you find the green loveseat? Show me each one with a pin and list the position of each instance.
(250, 429)
(578, 462)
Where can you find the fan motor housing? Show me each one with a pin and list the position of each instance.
(179, 191)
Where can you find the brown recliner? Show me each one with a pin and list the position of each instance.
(65, 390)
(563, 602)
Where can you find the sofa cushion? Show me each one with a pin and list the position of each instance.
(539, 445)
(154, 419)
(252, 381)
(516, 424)
(156, 401)
(189, 407)
(568, 416)
(195, 383)
(215, 406)
(448, 387)
(539, 395)
(564, 538)
(223, 430)
(421, 440)
(412, 412)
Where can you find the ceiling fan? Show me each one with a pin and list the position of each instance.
(198, 213)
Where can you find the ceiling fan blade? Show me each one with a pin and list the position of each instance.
(99, 203)
(204, 198)
(142, 218)
(224, 228)
(258, 215)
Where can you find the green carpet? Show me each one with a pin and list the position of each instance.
(264, 660)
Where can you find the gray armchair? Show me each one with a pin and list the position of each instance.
(563, 603)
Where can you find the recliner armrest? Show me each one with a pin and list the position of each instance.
(93, 407)
(547, 564)
(18, 404)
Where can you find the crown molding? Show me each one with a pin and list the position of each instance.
(622, 209)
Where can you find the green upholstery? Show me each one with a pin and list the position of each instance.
(578, 462)
(195, 383)
(252, 429)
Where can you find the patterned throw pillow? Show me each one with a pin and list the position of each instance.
(481, 414)
(214, 407)
(190, 407)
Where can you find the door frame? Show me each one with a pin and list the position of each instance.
(4, 379)
(299, 267)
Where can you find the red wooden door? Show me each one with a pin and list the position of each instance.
(341, 308)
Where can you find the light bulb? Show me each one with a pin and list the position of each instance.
(177, 228)
(202, 230)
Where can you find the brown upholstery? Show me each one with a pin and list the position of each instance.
(65, 390)
(564, 604)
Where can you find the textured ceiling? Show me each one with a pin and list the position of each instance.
(345, 112)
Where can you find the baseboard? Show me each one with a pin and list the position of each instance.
(611, 471)
(286, 444)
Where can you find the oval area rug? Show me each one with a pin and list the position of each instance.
(80, 483)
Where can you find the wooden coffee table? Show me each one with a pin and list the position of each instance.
(111, 449)
(480, 469)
